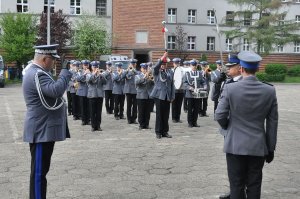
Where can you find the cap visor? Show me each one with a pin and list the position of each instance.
(56, 56)
(230, 64)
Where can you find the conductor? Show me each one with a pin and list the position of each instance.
(46, 115)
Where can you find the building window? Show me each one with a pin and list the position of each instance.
(172, 15)
(297, 18)
(22, 6)
(247, 19)
(191, 43)
(141, 37)
(297, 47)
(246, 45)
(101, 7)
(280, 48)
(75, 8)
(210, 44)
(229, 44)
(171, 42)
(281, 20)
(230, 18)
(52, 5)
(210, 17)
(192, 16)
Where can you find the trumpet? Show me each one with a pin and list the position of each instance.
(208, 69)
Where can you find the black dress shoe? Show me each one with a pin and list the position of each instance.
(196, 125)
(158, 136)
(225, 196)
(167, 135)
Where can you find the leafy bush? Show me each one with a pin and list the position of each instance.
(270, 77)
(275, 69)
(213, 66)
(275, 77)
(261, 76)
(294, 71)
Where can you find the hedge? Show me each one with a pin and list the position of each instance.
(270, 77)
(294, 71)
(275, 69)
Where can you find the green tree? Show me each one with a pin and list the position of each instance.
(18, 37)
(91, 38)
(262, 23)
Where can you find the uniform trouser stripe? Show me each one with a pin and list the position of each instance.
(40, 163)
(38, 171)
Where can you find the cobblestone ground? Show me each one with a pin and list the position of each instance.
(122, 162)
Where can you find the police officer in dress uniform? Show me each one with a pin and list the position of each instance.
(130, 92)
(179, 95)
(192, 80)
(233, 75)
(217, 77)
(248, 110)
(163, 94)
(152, 103)
(46, 115)
(73, 89)
(82, 92)
(203, 101)
(95, 81)
(108, 86)
(144, 86)
(118, 87)
(186, 64)
(70, 87)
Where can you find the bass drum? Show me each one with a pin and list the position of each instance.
(178, 76)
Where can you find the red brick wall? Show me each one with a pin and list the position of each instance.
(134, 15)
(288, 59)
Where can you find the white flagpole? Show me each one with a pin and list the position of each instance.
(219, 36)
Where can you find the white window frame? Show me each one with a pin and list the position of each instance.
(247, 20)
(297, 47)
(210, 17)
(191, 43)
(52, 5)
(192, 16)
(229, 44)
(73, 8)
(297, 19)
(281, 20)
(172, 15)
(23, 5)
(280, 49)
(246, 45)
(101, 10)
(210, 45)
(229, 21)
(171, 42)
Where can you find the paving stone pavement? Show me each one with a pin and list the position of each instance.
(122, 162)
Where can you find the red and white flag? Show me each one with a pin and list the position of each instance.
(164, 30)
